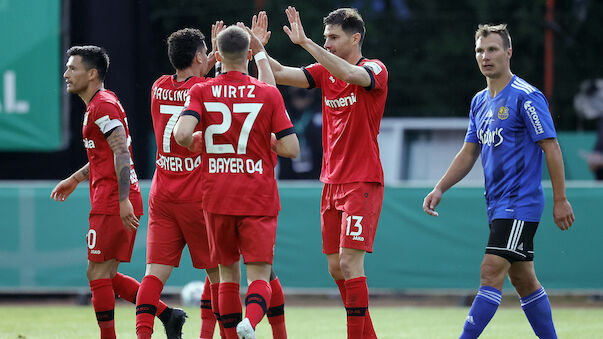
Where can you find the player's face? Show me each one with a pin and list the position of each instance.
(337, 41)
(202, 58)
(76, 76)
(492, 57)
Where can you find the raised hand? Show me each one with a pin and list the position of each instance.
(296, 32)
(259, 27)
(215, 30)
(255, 44)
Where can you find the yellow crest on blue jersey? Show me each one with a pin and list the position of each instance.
(503, 112)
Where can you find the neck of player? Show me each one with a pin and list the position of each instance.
(183, 74)
(496, 85)
(237, 67)
(90, 91)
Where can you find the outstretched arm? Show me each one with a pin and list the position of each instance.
(64, 188)
(337, 66)
(562, 210)
(118, 142)
(461, 165)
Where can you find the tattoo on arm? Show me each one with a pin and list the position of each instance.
(82, 174)
(118, 144)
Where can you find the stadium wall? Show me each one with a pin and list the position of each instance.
(42, 247)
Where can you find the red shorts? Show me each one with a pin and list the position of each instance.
(349, 214)
(107, 239)
(231, 236)
(173, 225)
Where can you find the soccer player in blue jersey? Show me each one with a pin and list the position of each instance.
(510, 126)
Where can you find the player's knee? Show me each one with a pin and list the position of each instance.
(335, 270)
(492, 275)
(524, 284)
(350, 268)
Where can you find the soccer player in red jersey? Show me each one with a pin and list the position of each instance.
(175, 211)
(116, 203)
(238, 114)
(354, 90)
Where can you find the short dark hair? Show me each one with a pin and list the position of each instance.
(500, 29)
(233, 43)
(349, 19)
(92, 57)
(183, 45)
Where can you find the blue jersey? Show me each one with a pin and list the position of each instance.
(507, 128)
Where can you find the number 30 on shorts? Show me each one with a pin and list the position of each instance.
(91, 239)
(357, 225)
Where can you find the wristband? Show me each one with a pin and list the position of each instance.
(259, 56)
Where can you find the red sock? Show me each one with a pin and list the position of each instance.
(146, 305)
(356, 306)
(341, 285)
(215, 306)
(231, 311)
(103, 301)
(257, 301)
(208, 319)
(369, 331)
(127, 287)
(276, 312)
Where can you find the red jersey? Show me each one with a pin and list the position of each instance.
(103, 113)
(237, 114)
(351, 117)
(178, 173)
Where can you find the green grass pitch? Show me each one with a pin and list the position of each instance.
(64, 322)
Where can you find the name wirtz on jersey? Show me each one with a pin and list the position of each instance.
(341, 102)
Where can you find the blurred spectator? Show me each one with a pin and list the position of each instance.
(589, 104)
(304, 110)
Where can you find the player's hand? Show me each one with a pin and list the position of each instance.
(197, 144)
(126, 213)
(296, 32)
(273, 142)
(215, 30)
(63, 189)
(563, 214)
(254, 43)
(259, 27)
(431, 201)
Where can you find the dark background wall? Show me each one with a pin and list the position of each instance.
(427, 46)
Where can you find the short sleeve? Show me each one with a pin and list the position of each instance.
(314, 74)
(471, 135)
(378, 74)
(107, 116)
(536, 116)
(193, 104)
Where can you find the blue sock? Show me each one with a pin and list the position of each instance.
(537, 308)
(484, 306)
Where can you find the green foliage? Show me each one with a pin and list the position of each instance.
(427, 45)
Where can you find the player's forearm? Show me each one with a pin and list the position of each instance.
(121, 156)
(211, 62)
(183, 130)
(82, 174)
(554, 162)
(337, 66)
(264, 70)
(459, 168)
